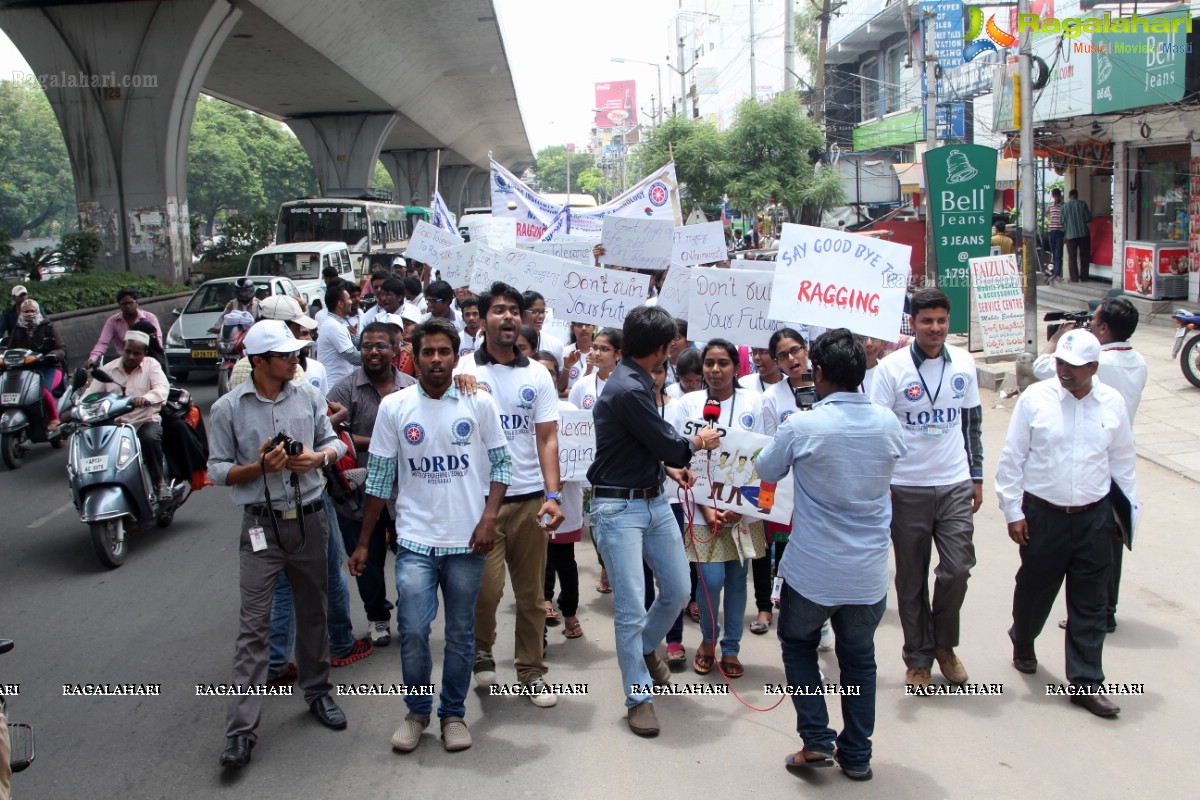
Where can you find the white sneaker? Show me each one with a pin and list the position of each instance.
(485, 668)
(540, 694)
(380, 633)
(826, 638)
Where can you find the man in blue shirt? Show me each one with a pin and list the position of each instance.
(841, 454)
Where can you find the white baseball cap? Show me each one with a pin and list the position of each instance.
(1078, 347)
(411, 313)
(271, 336)
(282, 307)
(18, 290)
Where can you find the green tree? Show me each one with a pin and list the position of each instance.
(250, 231)
(591, 181)
(81, 249)
(36, 184)
(33, 262)
(701, 159)
(551, 168)
(773, 155)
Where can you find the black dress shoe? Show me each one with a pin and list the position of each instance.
(1024, 661)
(237, 751)
(328, 713)
(1098, 704)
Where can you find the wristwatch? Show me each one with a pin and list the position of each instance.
(554, 496)
(325, 461)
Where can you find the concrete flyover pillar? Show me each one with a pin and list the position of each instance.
(122, 79)
(452, 180)
(478, 189)
(412, 171)
(343, 147)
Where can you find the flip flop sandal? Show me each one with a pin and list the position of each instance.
(693, 611)
(573, 630)
(760, 626)
(799, 767)
(552, 617)
(676, 659)
(703, 664)
(732, 669)
(603, 587)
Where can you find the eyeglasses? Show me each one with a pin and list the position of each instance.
(284, 356)
(376, 345)
(793, 353)
(539, 312)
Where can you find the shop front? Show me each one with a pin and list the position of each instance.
(1160, 236)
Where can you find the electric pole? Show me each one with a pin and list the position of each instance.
(753, 78)
(789, 47)
(929, 68)
(818, 102)
(1028, 206)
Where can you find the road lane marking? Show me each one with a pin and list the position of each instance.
(49, 516)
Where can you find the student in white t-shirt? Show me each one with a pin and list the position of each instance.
(576, 352)
(689, 375)
(604, 355)
(560, 549)
(445, 453)
(528, 401)
(535, 316)
(937, 485)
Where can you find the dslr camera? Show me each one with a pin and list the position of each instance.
(290, 446)
(1068, 319)
(806, 396)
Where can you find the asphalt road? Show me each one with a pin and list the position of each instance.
(169, 616)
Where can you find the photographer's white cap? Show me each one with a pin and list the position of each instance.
(271, 336)
(19, 290)
(1078, 347)
(282, 307)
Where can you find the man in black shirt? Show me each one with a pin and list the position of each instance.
(631, 519)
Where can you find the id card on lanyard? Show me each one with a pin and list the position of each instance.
(931, 430)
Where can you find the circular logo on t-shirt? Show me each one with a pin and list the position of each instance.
(914, 392)
(659, 194)
(465, 351)
(783, 417)
(588, 401)
(482, 385)
(747, 420)
(958, 384)
(414, 433)
(574, 373)
(525, 396)
(461, 431)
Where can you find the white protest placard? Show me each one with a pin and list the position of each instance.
(429, 240)
(596, 295)
(523, 270)
(840, 280)
(731, 304)
(576, 444)
(726, 478)
(495, 232)
(676, 289)
(638, 243)
(577, 250)
(455, 263)
(999, 298)
(699, 244)
(484, 265)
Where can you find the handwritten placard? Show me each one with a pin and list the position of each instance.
(484, 265)
(1000, 301)
(596, 295)
(495, 232)
(726, 478)
(840, 280)
(577, 250)
(428, 241)
(699, 244)
(676, 290)
(576, 444)
(639, 243)
(455, 264)
(731, 304)
(523, 270)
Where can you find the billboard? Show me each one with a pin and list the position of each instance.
(616, 104)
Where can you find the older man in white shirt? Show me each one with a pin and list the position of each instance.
(1068, 442)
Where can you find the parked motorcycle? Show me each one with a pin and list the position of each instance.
(111, 486)
(20, 735)
(22, 411)
(1187, 344)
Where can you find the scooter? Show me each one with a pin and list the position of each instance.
(20, 735)
(1189, 359)
(234, 327)
(111, 486)
(22, 412)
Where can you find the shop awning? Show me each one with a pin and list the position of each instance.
(912, 176)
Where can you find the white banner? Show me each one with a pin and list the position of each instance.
(593, 294)
(676, 289)
(726, 478)
(731, 304)
(699, 244)
(840, 280)
(569, 248)
(576, 444)
(496, 232)
(429, 240)
(996, 290)
(454, 264)
(643, 244)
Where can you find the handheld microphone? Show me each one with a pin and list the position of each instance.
(712, 410)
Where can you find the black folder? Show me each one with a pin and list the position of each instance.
(1122, 515)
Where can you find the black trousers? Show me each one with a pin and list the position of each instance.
(763, 570)
(1077, 547)
(1079, 257)
(560, 561)
(150, 434)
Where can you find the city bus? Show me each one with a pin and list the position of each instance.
(375, 230)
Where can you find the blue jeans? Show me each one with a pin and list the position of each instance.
(418, 578)
(730, 576)
(1057, 239)
(371, 586)
(283, 617)
(628, 532)
(800, 622)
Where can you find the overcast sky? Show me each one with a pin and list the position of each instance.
(557, 50)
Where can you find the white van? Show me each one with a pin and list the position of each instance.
(303, 262)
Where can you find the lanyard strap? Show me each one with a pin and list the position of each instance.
(932, 396)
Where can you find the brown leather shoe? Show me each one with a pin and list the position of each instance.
(642, 720)
(919, 677)
(950, 666)
(1098, 704)
(1024, 660)
(659, 670)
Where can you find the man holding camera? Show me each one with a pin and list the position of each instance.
(277, 482)
(1119, 366)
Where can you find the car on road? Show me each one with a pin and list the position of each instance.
(190, 345)
(302, 263)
